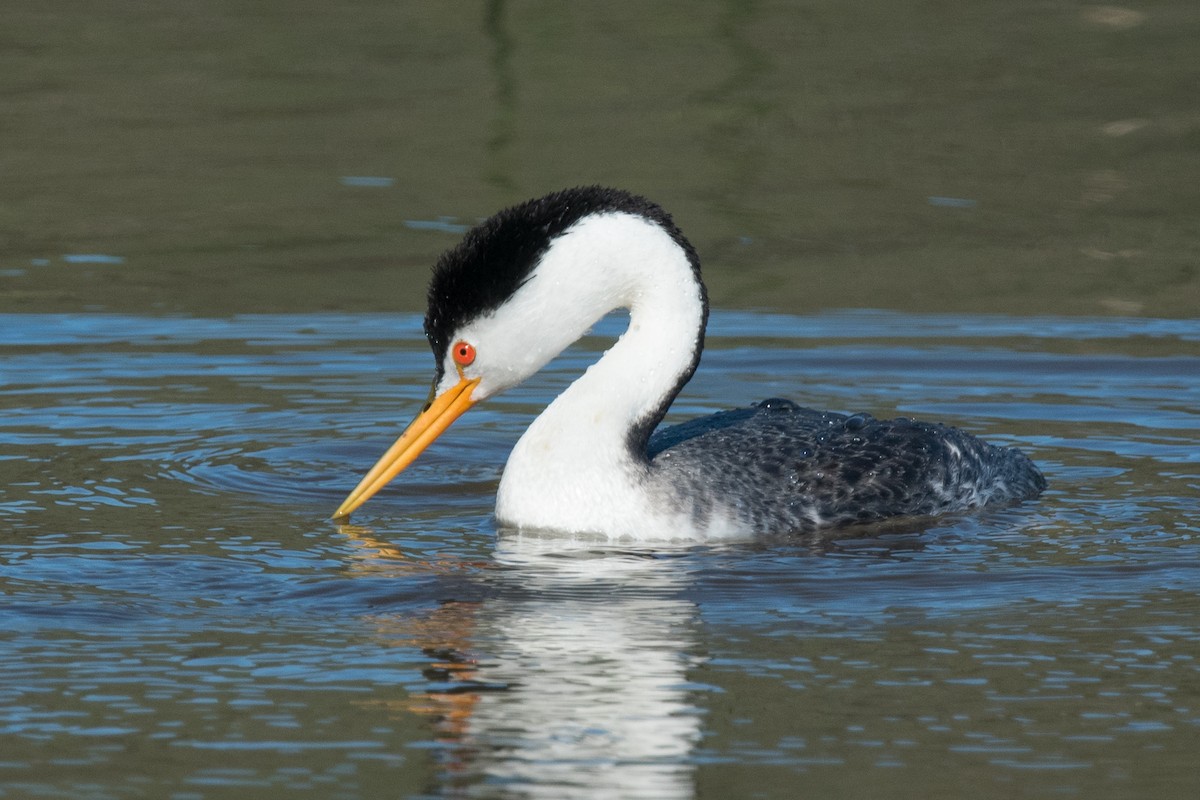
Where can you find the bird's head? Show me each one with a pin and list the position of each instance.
(515, 292)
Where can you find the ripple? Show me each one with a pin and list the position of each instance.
(171, 576)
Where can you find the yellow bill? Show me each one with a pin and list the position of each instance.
(429, 424)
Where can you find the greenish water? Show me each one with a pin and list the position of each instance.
(799, 144)
(216, 222)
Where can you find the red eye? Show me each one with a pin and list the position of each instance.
(464, 353)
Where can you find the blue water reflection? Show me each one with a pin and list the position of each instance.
(171, 577)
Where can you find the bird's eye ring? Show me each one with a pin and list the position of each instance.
(464, 353)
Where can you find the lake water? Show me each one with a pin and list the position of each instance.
(179, 613)
(216, 225)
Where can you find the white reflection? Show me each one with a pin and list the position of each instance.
(595, 646)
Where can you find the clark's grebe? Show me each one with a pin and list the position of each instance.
(526, 283)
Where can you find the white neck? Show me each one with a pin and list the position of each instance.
(574, 469)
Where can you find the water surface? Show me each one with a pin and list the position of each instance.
(181, 618)
(216, 225)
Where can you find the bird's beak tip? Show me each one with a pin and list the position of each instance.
(429, 424)
(348, 507)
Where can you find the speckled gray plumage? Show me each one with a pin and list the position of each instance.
(777, 467)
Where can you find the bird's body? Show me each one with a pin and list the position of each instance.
(780, 467)
(531, 280)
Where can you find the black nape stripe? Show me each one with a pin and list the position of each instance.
(494, 258)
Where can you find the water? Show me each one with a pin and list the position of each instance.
(182, 620)
(216, 225)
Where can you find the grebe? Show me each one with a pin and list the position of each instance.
(531, 280)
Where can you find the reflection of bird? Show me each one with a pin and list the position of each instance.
(528, 282)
